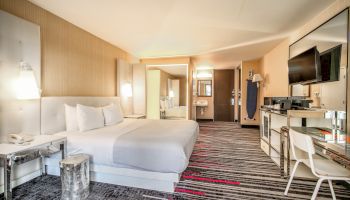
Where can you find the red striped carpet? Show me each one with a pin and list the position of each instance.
(227, 163)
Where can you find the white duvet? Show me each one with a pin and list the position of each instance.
(153, 145)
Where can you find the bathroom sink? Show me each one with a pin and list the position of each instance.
(201, 103)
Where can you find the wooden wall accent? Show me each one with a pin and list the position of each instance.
(73, 61)
(183, 89)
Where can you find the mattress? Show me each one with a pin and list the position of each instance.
(153, 145)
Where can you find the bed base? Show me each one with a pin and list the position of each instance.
(163, 182)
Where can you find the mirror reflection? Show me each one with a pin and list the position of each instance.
(330, 36)
(204, 88)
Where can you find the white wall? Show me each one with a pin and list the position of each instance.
(139, 88)
(153, 94)
(19, 41)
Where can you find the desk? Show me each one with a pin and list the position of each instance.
(328, 143)
(41, 146)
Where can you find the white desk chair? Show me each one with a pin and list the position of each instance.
(324, 169)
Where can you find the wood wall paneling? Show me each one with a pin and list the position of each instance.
(73, 61)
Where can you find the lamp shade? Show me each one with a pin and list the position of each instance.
(127, 90)
(171, 94)
(26, 85)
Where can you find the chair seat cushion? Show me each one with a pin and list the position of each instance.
(325, 167)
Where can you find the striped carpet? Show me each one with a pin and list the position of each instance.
(227, 163)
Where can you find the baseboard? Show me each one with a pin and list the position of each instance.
(250, 126)
(204, 120)
(164, 182)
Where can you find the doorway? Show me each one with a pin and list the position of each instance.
(223, 95)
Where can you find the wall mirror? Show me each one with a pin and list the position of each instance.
(204, 88)
(332, 34)
(331, 42)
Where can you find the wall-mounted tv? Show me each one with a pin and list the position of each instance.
(305, 67)
(330, 64)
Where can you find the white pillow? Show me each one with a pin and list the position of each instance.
(71, 118)
(112, 114)
(89, 118)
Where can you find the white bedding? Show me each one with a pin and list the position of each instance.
(176, 112)
(154, 145)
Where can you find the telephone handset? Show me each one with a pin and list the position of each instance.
(21, 139)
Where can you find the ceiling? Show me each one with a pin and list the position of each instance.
(209, 28)
(175, 70)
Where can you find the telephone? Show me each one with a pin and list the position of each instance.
(21, 139)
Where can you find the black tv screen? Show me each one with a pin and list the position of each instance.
(330, 64)
(305, 67)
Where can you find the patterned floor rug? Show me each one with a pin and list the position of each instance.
(227, 163)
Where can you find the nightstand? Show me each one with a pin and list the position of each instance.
(135, 116)
(12, 155)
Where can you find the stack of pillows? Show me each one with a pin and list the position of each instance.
(84, 118)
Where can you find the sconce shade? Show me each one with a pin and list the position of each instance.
(127, 90)
(257, 78)
(204, 74)
(26, 86)
(171, 94)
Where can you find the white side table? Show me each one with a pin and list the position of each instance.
(42, 145)
(136, 116)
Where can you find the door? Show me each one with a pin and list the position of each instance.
(223, 87)
(239, 94)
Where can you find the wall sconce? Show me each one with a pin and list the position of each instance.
(204, 74)
(26, 85)
(257, 78)
(127, 90)
(171, 94)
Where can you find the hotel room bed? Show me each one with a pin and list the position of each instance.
(149, 154)
(154, 145)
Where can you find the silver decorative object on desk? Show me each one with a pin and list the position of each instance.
(75, 177)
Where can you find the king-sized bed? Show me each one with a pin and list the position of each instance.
(142, 153)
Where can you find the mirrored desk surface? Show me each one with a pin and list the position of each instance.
(330, 140)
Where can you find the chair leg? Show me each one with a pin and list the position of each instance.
(332, 190)
(314, 195)
(291, 177)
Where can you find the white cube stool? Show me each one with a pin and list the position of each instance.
(75, 177)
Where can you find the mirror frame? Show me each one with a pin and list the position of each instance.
(211, 93)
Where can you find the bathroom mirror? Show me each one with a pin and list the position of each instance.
(204, 88)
